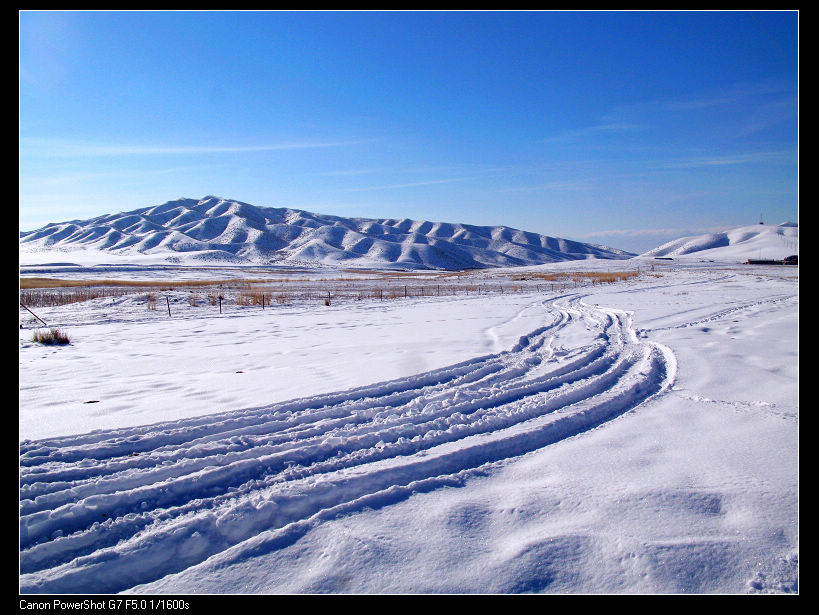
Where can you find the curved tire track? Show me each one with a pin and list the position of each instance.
(104, 511)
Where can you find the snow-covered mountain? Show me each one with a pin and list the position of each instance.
(757, 241)
(219, 230)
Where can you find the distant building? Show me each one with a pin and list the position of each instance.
(788, 260)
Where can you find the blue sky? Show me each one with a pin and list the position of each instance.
(622, 128)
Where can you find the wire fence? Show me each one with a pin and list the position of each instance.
(242, 294)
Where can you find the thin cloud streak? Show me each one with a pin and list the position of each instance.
(609, 128)
(650, 232)
(411, 185)
(78, 149)
(71, 178)
(783, 157)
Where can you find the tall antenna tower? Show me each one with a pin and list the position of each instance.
(760, 218)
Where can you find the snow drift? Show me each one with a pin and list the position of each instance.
(225, 231)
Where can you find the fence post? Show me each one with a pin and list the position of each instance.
(168, 301)
(35, 315)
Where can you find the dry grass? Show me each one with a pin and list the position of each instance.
(548, 277)
(51, 336)
(605, 277)
(46, 292)
(596, 277)
(53, 297)
(49, 292)
(253, 297)
(27, 283)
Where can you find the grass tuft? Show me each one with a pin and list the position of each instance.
(51, 336)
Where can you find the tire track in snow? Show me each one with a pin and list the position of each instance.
(104, 511)
(734, 311)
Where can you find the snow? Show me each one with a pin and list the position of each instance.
(218, 231)
(758, 241)
(633, 437)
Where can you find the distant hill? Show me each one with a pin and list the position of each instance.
(213, 230)
(756, 241)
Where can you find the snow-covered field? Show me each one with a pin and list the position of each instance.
(633, 437)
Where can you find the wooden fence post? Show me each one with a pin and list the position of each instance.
(35, 315)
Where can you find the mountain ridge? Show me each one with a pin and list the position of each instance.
(218, 230)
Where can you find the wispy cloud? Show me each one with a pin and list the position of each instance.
(780, 157)
(727, 96)
(767, 115)
(591, 131)
(560, 186)
(66, 148)
(640, 240)
(653, 232)
(431, 182)
(79, 177)
(418, 170)
(731, 112)
(351, 172)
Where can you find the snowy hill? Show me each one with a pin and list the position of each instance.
(758, 241)
(216, 230)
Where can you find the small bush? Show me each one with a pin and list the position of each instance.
(51, 336)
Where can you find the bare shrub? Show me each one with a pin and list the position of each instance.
(51, 336)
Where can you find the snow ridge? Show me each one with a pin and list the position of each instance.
(216, 230)
(109, 510)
